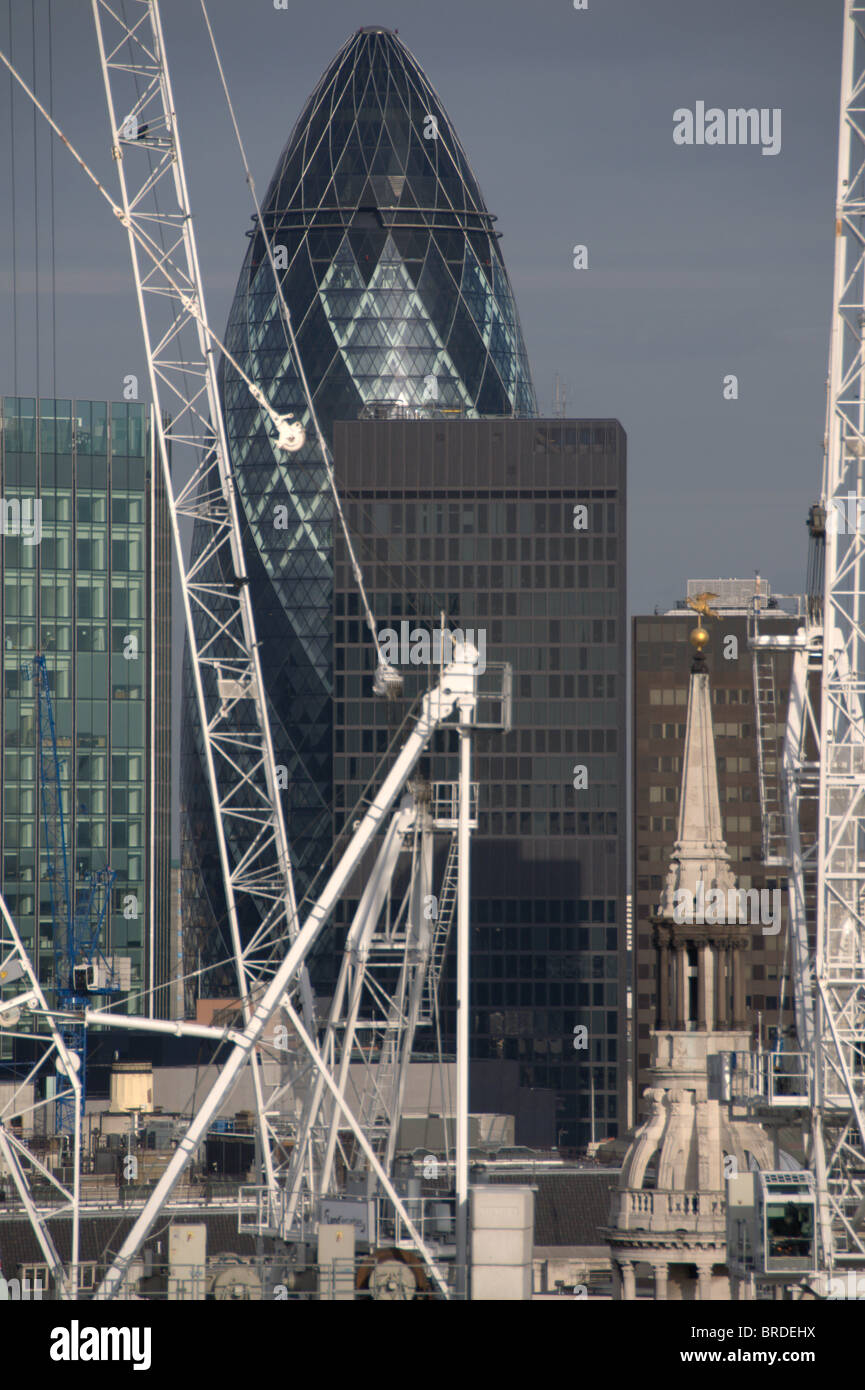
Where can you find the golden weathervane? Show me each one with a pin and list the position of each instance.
(700, 604)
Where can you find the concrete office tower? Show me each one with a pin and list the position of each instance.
(394, 278)
(91, 592)
(660, 699)
(479, 519)
(668, 1218)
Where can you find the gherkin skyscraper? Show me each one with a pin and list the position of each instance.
(393, 275)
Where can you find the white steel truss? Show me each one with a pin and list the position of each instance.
(800, 784)
(182, 366)
(792, 844)
(823, 770)
(839, 970)
(388, 969)
(25, 1016)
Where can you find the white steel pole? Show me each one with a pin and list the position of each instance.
(153, 723)
(76, 1190)
(462, 1116)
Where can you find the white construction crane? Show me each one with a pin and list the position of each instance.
(819, 836)
(25, 1016)
(182, 352)
(456, 693)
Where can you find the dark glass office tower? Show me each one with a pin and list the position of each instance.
(394, 278)
(481, 519)
(89, 589)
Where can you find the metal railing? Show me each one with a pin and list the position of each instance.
(434, 1217)
(775, 1079)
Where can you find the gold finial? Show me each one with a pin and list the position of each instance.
(700, 605)
(699, 637)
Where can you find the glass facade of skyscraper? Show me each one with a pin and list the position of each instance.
(391, 269)
(84, 566)
(516, 531)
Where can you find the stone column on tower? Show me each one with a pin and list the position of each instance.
(720, 961)
(738, 985)
(681, 1014)
(704, 986)
(664, 962)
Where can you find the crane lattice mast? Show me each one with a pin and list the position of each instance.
(822, 772)
(839, 963)
(220, 625)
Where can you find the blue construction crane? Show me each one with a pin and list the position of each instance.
(78, 912)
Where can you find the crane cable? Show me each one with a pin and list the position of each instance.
(37, 294)
(13, 180)
(51, 212)
(286, 429)
(384, 666)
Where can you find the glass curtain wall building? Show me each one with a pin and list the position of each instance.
(88, 587)
(392, 271)
(476, 520)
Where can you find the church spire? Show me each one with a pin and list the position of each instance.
(700, 853)
(698, 928)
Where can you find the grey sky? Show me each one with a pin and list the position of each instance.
(702, 261)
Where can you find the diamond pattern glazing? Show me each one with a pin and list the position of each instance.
(392, 272)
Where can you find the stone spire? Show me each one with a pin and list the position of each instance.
(701, 981)
(700, 853)
(668, 1214)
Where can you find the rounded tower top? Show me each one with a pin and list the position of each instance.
(680, 1147)
(390, 261)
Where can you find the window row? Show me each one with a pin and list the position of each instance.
(479, 550)
(464, 605)
(470, 518)
(65, 473)
(521, 1024)
(88, 427)
(516, 631)
(511, 912)
(91, 508)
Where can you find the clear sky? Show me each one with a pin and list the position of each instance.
(703, 261)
